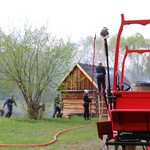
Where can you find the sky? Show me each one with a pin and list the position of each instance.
(75, 18)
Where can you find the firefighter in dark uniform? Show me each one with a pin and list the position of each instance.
(86, 100)
(56, 106)
(101, 72)
(9, 104)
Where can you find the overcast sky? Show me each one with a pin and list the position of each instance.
(74, 18)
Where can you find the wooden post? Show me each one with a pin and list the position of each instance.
(99, 106)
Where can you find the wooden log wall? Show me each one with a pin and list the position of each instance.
(73, 103)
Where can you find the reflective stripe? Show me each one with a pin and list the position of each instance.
(100, 73)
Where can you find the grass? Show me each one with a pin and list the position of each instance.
(24, 131)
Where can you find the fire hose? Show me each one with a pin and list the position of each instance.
(44, 144)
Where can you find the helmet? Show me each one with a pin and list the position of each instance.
(86, 91)
(100, 64)
(105, 28)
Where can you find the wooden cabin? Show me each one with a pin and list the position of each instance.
(81, 77)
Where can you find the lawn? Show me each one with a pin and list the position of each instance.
(19, 130)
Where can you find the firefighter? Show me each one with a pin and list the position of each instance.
(56, 106)
(101, 72)
(86, 100)
(9, 104)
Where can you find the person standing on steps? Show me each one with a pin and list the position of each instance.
(101, 72)
(9, 102)
(86, 100)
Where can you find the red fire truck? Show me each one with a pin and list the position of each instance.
(128, 122)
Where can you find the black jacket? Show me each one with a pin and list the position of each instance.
(9, 103)
(86, 100)
(101, 69)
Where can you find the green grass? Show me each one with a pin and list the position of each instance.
(25, 131)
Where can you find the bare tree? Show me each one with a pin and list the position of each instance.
(85, 49)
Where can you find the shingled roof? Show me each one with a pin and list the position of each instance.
(90, 70)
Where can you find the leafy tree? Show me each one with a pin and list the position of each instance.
(33, 60)
(137, 66)
(112, 46)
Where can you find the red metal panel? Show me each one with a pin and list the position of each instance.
(132, 111)
(104, 128)
(131, 120)
(133, 100)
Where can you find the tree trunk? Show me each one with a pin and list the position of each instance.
(33, 110)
